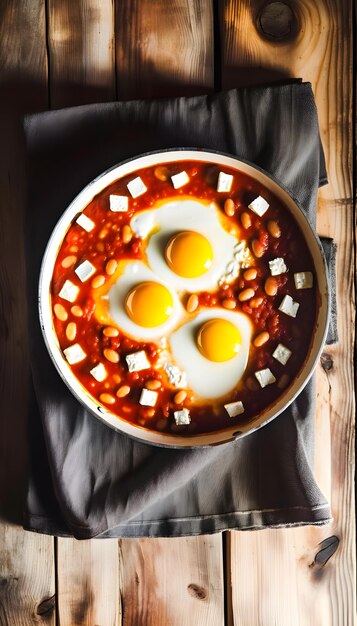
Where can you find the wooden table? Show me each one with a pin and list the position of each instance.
(55, 53)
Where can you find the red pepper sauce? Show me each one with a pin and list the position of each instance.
(105, 242)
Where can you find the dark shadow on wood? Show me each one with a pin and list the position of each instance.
(18, 96)
(240, 76)
(157, 85)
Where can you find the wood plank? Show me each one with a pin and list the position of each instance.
(164, 48)
(23, 59)
(81, 51)
(172, 581)
(88, 582)
(27, 583)
(275, 581)
(319, 50)
(81, 68)
(27, 580)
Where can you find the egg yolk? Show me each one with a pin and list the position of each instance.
(149, 304)
(219, 340)
(189, 254)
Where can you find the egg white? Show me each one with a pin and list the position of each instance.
(178, 215)
(136, 272)
(208, 379)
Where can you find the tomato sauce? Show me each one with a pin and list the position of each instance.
(105, 242)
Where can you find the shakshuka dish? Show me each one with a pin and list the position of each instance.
(184, 298)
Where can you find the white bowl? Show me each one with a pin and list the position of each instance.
(82, 200)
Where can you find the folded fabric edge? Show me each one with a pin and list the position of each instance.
(93, 106)
(330, 251)
(193, 526)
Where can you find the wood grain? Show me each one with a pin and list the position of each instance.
(172, 582)
(164, 48)
(88, 583)
(275, 580)
(27, 584)
(27, 581)
(81, 51)
(318, 50)
(82, 70)
(23, 59)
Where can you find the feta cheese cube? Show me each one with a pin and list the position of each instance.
(136, 187)
(148, 397)
(137, 361)
(118, 204)
(282, 354)
(85, 222)
(179, 180)
(176, 376)
(289, 306)
(74, 354)
(303, 280)
(224, 182)
(182, 417)
(85, 270)
(99, 372)
(277, 266)
(69, 291)
(265, 377)
(259, 206)
(234, 408)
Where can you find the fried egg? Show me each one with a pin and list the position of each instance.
(139, 303)
(188, 246)
(213, 350)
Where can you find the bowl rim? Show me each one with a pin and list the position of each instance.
(79, 203)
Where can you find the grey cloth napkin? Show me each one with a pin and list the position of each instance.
(87, 480)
